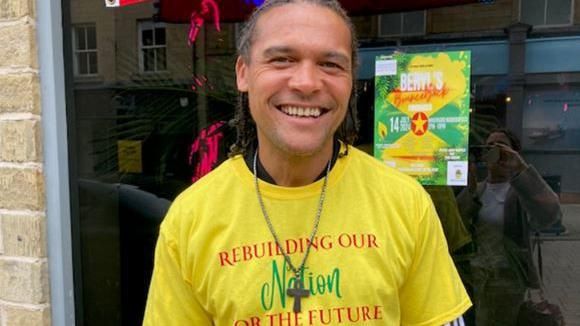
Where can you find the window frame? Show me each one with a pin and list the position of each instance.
(76, 52)
(150, 25)
(544, 25)
(402, 33)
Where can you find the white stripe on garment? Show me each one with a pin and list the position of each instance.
(456, 322)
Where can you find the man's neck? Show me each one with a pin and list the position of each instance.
(293, 171)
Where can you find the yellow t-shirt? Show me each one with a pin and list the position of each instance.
(379, 257)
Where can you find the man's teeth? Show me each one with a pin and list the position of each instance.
(301, 111)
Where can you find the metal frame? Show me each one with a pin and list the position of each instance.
(56, 172)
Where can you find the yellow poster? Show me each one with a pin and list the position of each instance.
(422, 115)
(129, 156)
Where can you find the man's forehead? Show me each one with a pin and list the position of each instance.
(276, 19)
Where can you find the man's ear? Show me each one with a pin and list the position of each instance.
(241, 75)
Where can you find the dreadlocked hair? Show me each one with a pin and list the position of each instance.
(246, 132)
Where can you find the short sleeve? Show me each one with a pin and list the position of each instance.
(171, 300)
(433, 293)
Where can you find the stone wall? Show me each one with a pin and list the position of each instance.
(24, 290)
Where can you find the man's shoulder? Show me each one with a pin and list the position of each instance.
(210, 182)
(204, 193)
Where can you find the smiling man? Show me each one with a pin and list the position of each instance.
(298, 227)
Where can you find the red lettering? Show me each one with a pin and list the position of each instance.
(285, 318)
(236, 254)
(365, 313)
(373, 241)
(291, 249)
(350, 318)
(224, 259)
(326, 242)
(311, 316)
(322, 319)
(344, 240)
(378, 312)
(339, 313)
(255, 321)
(247, 252)
(358, 244)
(241, 323)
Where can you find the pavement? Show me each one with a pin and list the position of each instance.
(561, 265)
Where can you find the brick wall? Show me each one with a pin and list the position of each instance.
(24, 291)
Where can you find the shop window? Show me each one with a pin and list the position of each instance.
(85, 50)
(546, 13)
(152, 47)
(402, 24)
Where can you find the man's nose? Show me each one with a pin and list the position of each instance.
(306, 79)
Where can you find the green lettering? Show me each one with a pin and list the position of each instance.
(334, 280)
(317, 285)
(276, 281)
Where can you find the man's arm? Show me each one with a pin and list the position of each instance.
(433, 293)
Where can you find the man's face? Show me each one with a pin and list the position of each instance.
(298, 78)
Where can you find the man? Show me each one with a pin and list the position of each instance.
(301, 229)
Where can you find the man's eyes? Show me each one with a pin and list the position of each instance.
(331, 65)
(326, 65)
(281, 60)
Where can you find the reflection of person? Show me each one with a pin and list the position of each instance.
(302, 228)
(503, 210)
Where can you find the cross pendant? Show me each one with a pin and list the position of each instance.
(298, 292)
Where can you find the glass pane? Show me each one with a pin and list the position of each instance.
(93, 68)
(414, 22)
(91, 38)
(148, 59)
(160, 36)
(391, 24)
(147, 37)
(558, 12)
(80, 37)
(83, 63)
(552, 118)
(533, 11)
(161, 59)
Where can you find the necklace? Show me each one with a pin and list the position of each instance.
(298, 291)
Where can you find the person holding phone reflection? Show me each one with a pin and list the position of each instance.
(502, 211)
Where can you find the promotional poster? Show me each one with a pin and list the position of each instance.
(422, 115)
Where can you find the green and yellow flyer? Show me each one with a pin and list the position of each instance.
(422, 115)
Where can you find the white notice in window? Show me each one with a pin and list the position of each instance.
(386, 67)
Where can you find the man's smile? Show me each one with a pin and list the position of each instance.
(302, 111)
